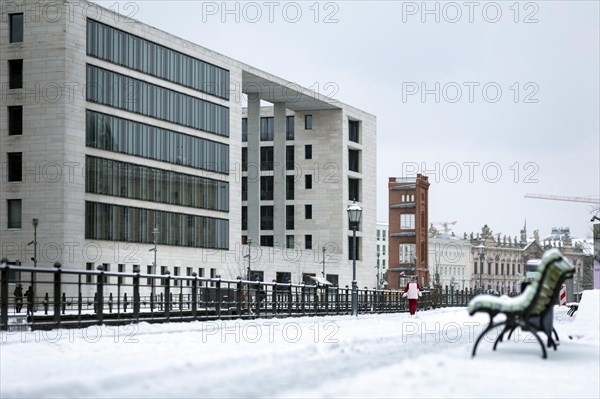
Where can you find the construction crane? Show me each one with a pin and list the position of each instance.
(445, 225)
(586, 200)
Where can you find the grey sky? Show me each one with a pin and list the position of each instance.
(546, 141)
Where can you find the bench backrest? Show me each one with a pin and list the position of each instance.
(553, 270)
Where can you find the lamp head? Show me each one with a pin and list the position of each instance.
(35, 222)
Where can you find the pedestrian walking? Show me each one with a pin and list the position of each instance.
(29, 298)
(18, 298)
(412, 291)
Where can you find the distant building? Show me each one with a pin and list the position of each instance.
(382, 247)
(449, 261)
(408, 230)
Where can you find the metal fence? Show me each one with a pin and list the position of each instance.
(69, 298)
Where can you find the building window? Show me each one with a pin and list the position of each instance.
(266, 241)
(289, 128)
(289, 157)
(333, 279)
(307, 280)
(354, 160)
(15, 166)
(244, 130)
(15, 120)
(244, 159)
(266, 217)
(353, 134)
(308, 151)
(244, 188)
(308, 182)
(407, 222)
(124, 136)
(244, 218)
(384, 235)
(16, 28)
(289, 187)
(126, 180)
(266, 188)
(121, 269)
(133, 52)
(175, 273)
(289, 217)
(15, 74)
(106, 268)
(188, 272)
(353, 189)
(308, 122)
(283, 277)
(351, 248)
(308, 241)
(266, 158)
(378, 234)
(89, 267)
(14, 213)
(266, 129)
(407, 253)
(475, 267)
(176, 107)
(383, 249)
(289, 241)
(308, 211)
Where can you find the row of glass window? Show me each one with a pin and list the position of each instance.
(126, 180)
(122, 223)
(125, 136)
(267, 128)
(133, 95)
(125, 49)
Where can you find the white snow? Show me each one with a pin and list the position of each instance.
(338, 356)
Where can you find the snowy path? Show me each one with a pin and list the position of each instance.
(368, 356)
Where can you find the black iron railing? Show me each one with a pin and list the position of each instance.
(77, 298)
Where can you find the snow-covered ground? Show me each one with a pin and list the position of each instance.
(369, 356)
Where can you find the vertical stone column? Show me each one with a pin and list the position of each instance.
(279, 123)
(254, 168)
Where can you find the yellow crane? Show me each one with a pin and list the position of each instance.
(586, 200)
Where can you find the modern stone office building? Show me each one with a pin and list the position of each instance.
(115, 135)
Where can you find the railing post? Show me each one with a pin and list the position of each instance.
(326, 299)
(290, 300)
(100, 295)
(239, 297)
(4, 294)
(195, 296)
(274, 298)
(218, 298)
(302, 299)
(136, 293)
(57, 282)
(167, 296)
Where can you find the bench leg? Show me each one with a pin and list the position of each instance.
(501, 335)
(531, 329)
(488, 328)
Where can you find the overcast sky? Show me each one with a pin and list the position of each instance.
(517, 85)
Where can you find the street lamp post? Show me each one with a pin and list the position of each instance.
(155, 234)
(249, 241)
(481, 252)
(354, 213)
(35, 222)
(378, 276)
(323, 270)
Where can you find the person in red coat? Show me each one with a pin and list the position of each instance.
(412, 291)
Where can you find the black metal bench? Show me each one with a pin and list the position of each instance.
(531, 311)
